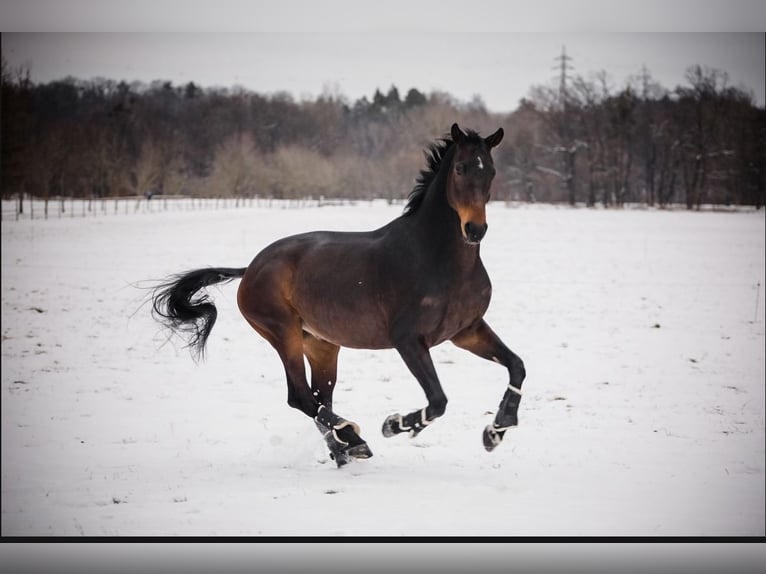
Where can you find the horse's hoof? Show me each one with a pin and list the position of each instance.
(492, 438)
(392, 425)
(359, 451)
(343, 457)
(340, 458)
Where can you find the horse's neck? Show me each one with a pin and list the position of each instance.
(439, 229)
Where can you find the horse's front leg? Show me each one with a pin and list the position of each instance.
(482, 341)
(417, 358)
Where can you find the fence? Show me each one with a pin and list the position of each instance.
(59, 207)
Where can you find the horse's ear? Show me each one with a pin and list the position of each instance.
(495, 138)
(456, 133)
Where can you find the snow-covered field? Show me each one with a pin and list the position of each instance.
(642, 332)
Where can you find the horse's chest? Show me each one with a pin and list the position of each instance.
(455, 309)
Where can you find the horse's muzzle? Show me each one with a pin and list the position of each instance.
(474, 233)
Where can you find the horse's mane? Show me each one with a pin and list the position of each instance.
(435, 154)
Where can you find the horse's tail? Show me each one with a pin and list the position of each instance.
(173, 304)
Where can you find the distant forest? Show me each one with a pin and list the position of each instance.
(580, 141)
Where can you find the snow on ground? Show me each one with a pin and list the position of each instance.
(643, 409)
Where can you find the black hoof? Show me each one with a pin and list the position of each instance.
(344, 456)
(492, 437)
(340, 458)
(359, 451)
(412, 424)
(392, 425)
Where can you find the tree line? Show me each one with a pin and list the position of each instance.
(583, 142)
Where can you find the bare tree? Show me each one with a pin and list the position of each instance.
(234, 168)
(702, 105)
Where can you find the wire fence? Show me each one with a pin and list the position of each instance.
(28, 207)
(60, 207)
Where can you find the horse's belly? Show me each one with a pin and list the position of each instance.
(344, 318)
(356, 333)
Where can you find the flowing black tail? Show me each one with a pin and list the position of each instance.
(173, 306)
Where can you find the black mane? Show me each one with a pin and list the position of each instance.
(435, 154)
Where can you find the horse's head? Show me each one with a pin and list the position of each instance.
(470, 178)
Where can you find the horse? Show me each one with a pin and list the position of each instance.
(410, 285)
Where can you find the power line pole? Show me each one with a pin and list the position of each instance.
(563, 68)
(567, 143)
(644, 82)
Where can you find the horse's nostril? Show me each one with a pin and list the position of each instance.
(474, 232)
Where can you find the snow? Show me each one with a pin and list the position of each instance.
(642, 332)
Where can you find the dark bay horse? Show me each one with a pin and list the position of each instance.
(410, 285)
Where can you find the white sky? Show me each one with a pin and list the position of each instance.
(306, 48)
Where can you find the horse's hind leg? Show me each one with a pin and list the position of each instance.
(482, 341)
(286, 336)
(263, 301)
(323, 360)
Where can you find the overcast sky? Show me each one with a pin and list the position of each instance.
(334, 46)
